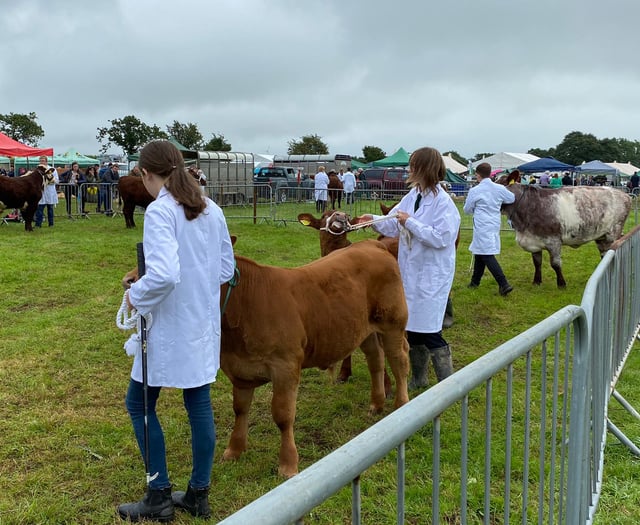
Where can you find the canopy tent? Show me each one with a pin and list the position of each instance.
(505, 160)
(72, 155)
(545, 164)
(453, 177)
(598, 169)
(13, 148)
(186, 152)
(355, 164)
(626, 169)
(453, 165)
(399, 158)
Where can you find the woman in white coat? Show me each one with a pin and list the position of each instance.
(427, 223)
(484, 202)
(321, 183)
(49, 194)
(188, 255)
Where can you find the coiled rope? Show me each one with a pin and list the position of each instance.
(128, 320)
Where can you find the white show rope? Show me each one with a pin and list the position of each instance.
(128, 320)
(372, 221)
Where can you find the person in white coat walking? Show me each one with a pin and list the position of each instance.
(484, 202)
(349, 186)
(321, 183)
(427, 223)
(188, 255)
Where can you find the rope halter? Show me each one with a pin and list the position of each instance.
(338, 223)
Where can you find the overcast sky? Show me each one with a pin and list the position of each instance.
(466, 75)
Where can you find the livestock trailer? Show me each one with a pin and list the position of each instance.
(229, 175)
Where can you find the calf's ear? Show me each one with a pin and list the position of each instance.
(306, 219)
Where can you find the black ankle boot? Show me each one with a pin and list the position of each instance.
(156, 505)
(194, 501)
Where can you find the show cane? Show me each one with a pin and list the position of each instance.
(145, 379)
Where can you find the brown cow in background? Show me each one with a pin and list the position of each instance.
(132, 193)
(23, 193)
(335, 189)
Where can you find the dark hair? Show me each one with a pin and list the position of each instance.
(426, 169)
(484, 170)
(162, 158)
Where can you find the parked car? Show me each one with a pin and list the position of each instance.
(282, 180)
(385, 179)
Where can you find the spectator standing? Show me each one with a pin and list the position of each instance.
(49, 194)
(188, 256)
(110, 177)
(635, 180)
(90, 188)
(484, 202)
(566, 179)
(349, 186)
(102, 190)
(426, 224)
(555, 181)
(545, 178)
(320, 184)
(70, 180)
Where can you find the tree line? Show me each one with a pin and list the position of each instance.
(130, 134)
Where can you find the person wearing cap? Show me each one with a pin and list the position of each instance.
(49, 195)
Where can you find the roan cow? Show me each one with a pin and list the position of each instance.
(132, 193)
(23, 193)
(545, 218)
(278, 321)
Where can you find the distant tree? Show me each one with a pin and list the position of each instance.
(578, 147)
(479, 156)
(186, 134)
(22, 127)
(130, 133)
(456, 156)
(217, 143)
(538, 152)
(308, 145)
(371, 153)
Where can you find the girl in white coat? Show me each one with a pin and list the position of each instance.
(188, 255)
(484, 202)
(427, 223)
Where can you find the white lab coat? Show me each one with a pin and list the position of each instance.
(50, 194)
(186, 262)
(484, 202)
(349, 182)
(321, 183)
(426, 255)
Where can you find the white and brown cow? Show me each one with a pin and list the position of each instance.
(280, 320)
(23, 193)
(546, 219)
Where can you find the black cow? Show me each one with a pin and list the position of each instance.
(23, 193)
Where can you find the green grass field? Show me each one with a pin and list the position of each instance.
(67, 452)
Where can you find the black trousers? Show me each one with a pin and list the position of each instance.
(431, 341)
(480, 262)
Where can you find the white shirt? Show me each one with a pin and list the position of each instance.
(426, 255)
(484, 202)
(349, 182)
(186, 262)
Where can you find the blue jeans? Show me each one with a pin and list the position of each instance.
(40, 214)
(197, 401)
